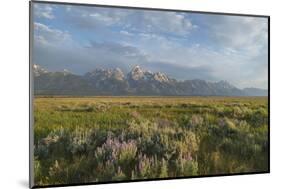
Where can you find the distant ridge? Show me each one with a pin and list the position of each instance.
(137, 82)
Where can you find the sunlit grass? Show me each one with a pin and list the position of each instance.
(92, 139)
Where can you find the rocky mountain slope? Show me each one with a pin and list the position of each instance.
(137, 82)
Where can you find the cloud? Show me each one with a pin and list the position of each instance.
(240, 33)
(183, 45)
(125, 56)
(90, 18)
(56, 50)
(115, 48)
(180, 72)
(243, 41)
(113, 55)
(137, 21)
(43, 11)
(123, 32)
(168, 23)
(200, 61)
(46, 35)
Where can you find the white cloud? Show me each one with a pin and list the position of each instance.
(248, 34)
(244, 43)
(68, 8)
(233, 48)
(137, 21)
(243, 69)
(93, 17)
(103, 18)
(167, 23)
(123, 32)
(43, 11)
(45, 35)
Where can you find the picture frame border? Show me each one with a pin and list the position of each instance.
(31, 94)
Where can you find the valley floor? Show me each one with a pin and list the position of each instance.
(99, 139)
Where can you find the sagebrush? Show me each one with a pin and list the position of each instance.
(80, 140)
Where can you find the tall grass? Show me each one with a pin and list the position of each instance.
(117, 138)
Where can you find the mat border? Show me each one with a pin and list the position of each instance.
(31, 95)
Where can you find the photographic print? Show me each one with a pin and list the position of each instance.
(122, 94)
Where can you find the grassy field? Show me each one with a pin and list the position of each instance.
(125, 138)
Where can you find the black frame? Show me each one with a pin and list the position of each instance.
(137, 180)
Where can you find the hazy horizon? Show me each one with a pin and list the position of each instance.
(182, 45)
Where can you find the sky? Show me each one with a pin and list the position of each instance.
(183, 45)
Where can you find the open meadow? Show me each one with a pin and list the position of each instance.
(98, 139)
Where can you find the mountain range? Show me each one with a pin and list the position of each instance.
(137, 82)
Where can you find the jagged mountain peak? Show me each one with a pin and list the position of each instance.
(137, 68)
(161, 77)
(118, 69)
(66, 72)
(137, 82)
(104, 74)
(118, 74)
(225, 84)
(38, 70)
(136, 73)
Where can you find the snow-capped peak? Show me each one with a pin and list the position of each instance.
(38, 70)
(158, 76)
(66, 72)
(224, 84)
(137, 73)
